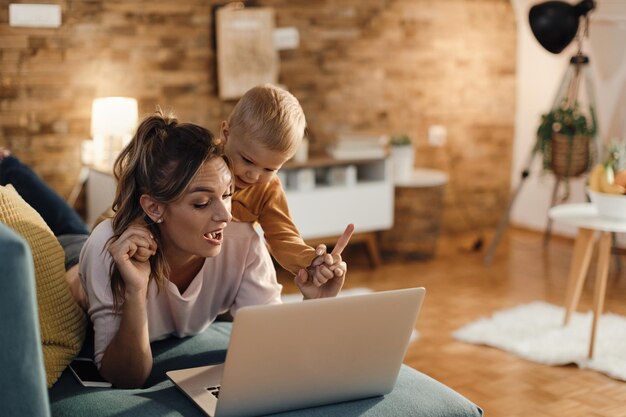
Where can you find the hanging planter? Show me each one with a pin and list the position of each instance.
(565, 139)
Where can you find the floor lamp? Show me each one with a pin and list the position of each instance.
(555, 24)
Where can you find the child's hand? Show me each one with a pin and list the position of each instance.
(320, 269)
(326, 275)
(326, 266)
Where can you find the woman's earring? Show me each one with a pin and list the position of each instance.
(160, 220)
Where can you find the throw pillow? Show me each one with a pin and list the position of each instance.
(62, 322)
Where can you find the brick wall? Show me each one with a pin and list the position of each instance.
(375, 66)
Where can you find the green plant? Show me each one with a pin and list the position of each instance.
(400, 140)
(615, 154)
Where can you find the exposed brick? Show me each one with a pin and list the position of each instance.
(365, 66)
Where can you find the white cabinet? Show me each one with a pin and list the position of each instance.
(342, 192)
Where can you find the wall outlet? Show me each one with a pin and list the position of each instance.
(35, 15)
(286, 38)
(437, 135)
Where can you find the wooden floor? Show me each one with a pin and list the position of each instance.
(460, 288)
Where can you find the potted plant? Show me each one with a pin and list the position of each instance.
(402, 156)
(564, 137)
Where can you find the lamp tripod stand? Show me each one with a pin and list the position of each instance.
(567, 94)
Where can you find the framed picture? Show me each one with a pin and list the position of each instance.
(245, 49)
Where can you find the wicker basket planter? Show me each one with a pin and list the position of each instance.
(565, 137)
(569, 155)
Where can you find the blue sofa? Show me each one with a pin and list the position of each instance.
(23, 389)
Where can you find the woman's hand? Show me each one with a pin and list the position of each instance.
(131, 252)
(326, 275)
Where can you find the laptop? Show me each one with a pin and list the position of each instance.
(290, 356)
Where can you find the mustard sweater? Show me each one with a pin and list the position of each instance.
(267, 204)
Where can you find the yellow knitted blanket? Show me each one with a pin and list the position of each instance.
(62, 322)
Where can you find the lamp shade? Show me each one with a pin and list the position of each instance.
(113, 116)
(555, 23)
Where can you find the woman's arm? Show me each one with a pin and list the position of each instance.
(127, 361)
(121, 340)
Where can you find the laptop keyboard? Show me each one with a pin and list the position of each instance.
(214, 390)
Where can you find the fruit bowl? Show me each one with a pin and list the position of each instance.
(611, 206)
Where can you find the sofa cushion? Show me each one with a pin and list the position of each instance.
(415, 394)
(62, 322)
(159, 397)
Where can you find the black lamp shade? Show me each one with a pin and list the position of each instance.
(555, 23)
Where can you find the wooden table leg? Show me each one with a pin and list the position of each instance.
(578, 270)
(372, 249)
(604, 257)
(548, 231)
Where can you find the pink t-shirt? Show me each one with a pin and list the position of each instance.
(241, 275)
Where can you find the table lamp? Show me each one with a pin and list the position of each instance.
(113, 123)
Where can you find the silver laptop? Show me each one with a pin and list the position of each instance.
(297, 355)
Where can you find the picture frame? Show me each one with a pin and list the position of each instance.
(246, 56)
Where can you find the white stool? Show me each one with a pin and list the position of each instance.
(586, 218)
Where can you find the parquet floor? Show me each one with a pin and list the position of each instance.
(460, 288)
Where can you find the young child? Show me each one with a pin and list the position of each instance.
(263, 132)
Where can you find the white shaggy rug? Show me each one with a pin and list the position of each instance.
(535, 332)
(292, 298)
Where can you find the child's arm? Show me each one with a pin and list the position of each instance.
(281, 234)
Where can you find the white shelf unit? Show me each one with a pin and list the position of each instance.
(363, 195)
(321, 210)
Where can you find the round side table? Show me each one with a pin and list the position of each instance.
(418, 207)
(585, 217)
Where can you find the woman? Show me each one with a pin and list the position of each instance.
(173, 201)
